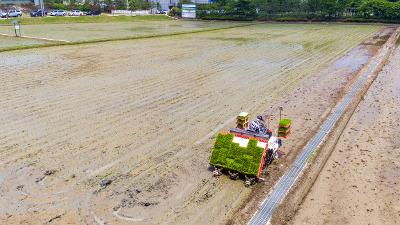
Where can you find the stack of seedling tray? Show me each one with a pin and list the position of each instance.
(242, 120)
(284, 127)
(229, 155)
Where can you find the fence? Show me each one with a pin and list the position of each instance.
(130, 12)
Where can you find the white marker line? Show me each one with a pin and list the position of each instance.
(42, 181)
(93, 173)
(213, 132)
(23, 193)
(116, 214)
(97, 219)
(39, 38)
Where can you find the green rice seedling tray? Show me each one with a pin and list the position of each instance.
(285, 123)
(229, 155)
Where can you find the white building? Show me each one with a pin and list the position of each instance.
(167, 4)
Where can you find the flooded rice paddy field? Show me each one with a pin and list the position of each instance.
(95, 31)
(143, 113)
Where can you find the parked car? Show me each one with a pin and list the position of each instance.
(93, 13)
(38, 13)
(3, 14)
(75, 13)
(14, 13)
(58, 13)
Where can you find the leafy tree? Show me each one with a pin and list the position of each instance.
(241, 9)
(311, 9)
(119, 4)
(380, 9)
(175, 11)
(139, 5)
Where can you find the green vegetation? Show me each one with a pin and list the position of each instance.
(143, 5)
(285, 122)
(229, 155)
(96, 5)
(175, 11)
(302, 10)
(84, 19)
(284, 127)
(283, 132)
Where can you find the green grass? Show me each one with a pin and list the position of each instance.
(83, 19)
(229, 155)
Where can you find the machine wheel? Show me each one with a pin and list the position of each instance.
(249, 181)
(233, 175)
(217, 172)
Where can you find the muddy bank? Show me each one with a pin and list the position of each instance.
(359, 183)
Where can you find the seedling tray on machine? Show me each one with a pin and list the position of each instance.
(231, 156)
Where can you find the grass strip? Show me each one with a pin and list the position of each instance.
(83, 19)
(229, 155)
(120, 39)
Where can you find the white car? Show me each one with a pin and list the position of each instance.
(58, 13)
(3, 14)
(14, 13)
(75, 13)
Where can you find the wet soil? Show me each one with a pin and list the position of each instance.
(359, 183)
(346, 68)
(143, 114)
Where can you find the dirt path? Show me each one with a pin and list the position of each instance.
(360, 182)
(143, 113)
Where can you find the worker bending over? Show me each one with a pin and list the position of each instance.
(258, 126)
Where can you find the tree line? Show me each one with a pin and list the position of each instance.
(284, 10)
(103, 5)
(301, 9)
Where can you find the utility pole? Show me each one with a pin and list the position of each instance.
(17, 28)
(41, 2)
(280, 113)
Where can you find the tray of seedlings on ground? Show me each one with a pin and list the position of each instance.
(284, 127)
